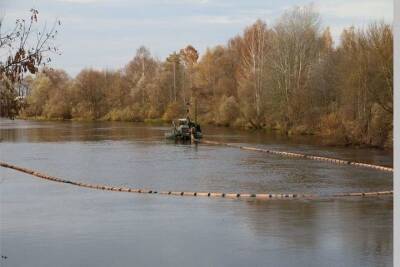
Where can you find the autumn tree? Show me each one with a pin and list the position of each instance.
(365, 74)
(189, 57)
(170, 84)
(49, 96)
(9, 107)
(89, 94)
(216, 78)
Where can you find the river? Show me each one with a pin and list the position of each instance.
(49, 224)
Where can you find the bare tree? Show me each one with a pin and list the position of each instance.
(190, 56)
(254, 48)
(139, 72)
(174, 60)
(24, 48)
(296, 48)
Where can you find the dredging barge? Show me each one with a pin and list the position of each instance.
(184, 129)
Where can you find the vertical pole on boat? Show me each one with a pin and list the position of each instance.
(187, 110)
(195, 109)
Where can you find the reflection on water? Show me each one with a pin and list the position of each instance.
(51, 224)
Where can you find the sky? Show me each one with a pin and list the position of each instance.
(104, 34)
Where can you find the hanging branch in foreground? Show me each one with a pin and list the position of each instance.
(24, 48)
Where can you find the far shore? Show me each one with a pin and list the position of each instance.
(328, 141)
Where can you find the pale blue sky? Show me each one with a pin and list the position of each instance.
(106, 33)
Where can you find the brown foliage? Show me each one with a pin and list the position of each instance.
(288, 76)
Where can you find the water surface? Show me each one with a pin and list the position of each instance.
(50, 224)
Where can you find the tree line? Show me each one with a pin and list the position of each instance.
(288, 77)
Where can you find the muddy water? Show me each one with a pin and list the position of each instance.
(49, 224)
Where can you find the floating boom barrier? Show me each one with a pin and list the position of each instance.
(264, 196)
(298, 155)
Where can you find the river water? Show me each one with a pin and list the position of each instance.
(50, 224)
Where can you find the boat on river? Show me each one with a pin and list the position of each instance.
(184, 129)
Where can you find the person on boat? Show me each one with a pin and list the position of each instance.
(193, 133)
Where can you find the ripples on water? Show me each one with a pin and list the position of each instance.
(49, 224)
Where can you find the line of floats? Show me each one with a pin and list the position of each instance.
(264, 196)
(298, 155)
